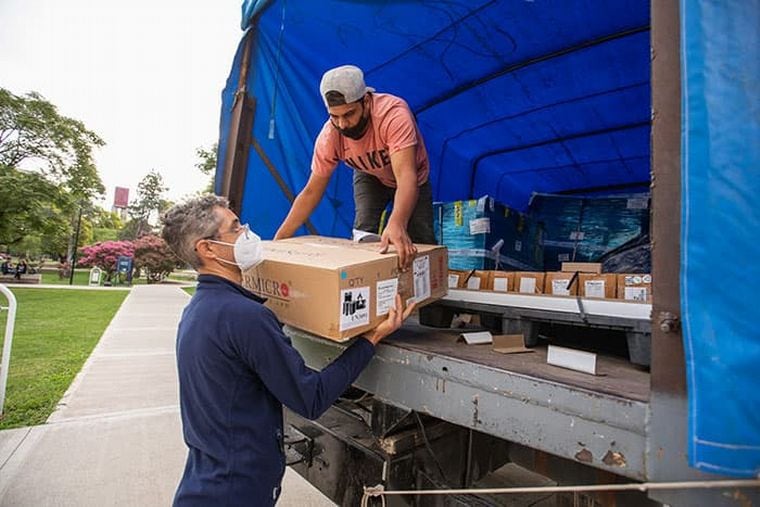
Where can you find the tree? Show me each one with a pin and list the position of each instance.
(30, 204)
(149, 203)
(207, 164)
(105, 225)
(46, 169)
(154, 257)
(103, 219)
(106, 255)
(34, 135)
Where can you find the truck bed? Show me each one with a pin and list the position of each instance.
(617, 377)
(596, 420)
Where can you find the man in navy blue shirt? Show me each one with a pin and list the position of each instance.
(237, 368)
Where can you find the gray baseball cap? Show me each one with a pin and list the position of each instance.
(347, 80)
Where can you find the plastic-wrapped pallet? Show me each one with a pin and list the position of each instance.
(483, 234)
(584, 229)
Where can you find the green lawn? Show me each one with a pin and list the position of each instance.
(80, 278)
(189, 290)
(56, 329)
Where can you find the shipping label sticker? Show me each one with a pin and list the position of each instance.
(528, 285)
(595, 288)
(453, 281)
(636, 294)
(386, 295)
(458, 215)
(500, 284)
(559, 287)
(354, 307)
(421, 270)
(480, 226)
(473, 283)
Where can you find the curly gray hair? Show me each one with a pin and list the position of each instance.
(185, 223)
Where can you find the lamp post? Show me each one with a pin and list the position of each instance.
(76, 242)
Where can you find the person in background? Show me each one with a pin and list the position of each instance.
(236, 366)
(5, 268)
(377, 136)
(21, 268)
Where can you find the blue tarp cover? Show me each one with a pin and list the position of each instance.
(720, 232)
(515, 97)
(511, 97)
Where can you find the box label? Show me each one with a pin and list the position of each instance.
(636, 294)
(595, 288)
(386, 295)
(473, 282)
(354, 308)
(577, 235)
(453, 281)
(421, 270)
(559, 287)
(500, 284)
(518, 245)
(528, 285)
(458, 216)
(563, 257)
(480, 226)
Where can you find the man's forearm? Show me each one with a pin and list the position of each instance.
(404, 202)
(302, 207)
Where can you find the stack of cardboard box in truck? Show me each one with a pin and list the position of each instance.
(576, 278)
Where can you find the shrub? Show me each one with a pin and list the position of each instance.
(153, 256)
(105, 255)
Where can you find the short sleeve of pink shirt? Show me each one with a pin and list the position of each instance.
(392, 128)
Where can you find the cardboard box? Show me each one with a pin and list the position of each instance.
(339, 289)
(585, 228)
(635, 287)
(510, 344)
(484, 234)
(582, 267)
(477, 280)
(557, 284)
(529, 282)
(598, 285)
(456, 278)
(502, 281)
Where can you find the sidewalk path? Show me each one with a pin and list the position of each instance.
(115, 437)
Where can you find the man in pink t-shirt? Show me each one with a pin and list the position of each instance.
(376, 135)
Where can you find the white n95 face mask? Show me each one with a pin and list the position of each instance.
(247, 249)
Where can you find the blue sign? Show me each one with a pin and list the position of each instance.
(124, 265)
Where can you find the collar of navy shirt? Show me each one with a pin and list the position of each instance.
(219, 280)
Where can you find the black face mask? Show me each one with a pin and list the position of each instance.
(358, 130)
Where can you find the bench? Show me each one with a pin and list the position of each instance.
(27, 279)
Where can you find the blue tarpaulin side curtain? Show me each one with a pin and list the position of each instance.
(721, 229)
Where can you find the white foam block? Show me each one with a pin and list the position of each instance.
(577, 360)
(477, 338)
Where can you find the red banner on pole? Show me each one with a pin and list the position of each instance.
(121, 197)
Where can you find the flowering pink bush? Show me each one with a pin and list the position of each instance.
(153, 256)
(105, 255)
